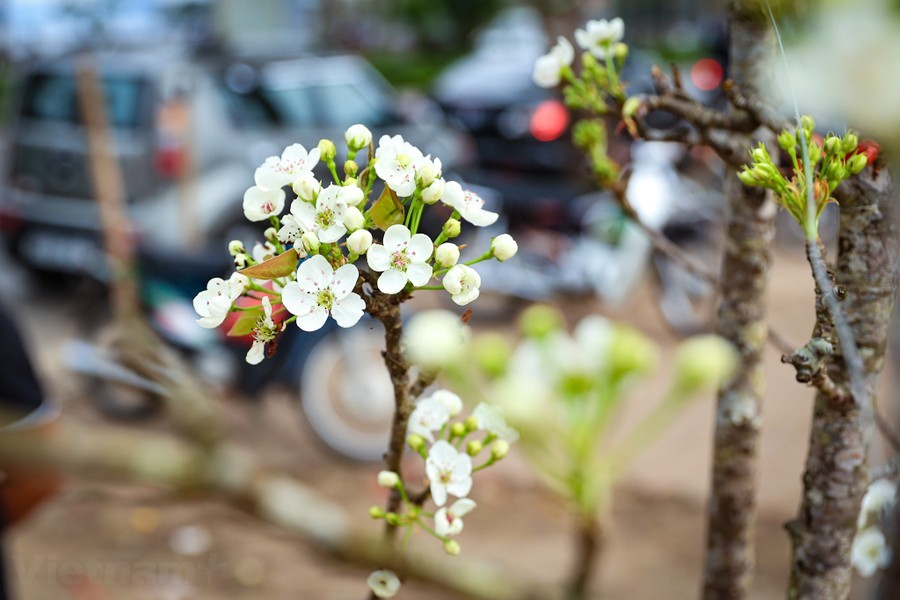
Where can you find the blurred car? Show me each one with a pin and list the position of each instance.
(188, 134)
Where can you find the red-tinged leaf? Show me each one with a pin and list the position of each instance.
(245, 323)
(387, 210)
(279, 266)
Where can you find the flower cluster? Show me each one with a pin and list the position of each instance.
(309, 269)
(830, 161)
(449, 443)
(870, 551)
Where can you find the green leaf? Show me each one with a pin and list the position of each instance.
(387, 210)
(246, 322)
(279, 266)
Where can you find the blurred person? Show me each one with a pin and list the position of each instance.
(26, 414)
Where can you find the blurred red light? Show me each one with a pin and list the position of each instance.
(707, 74)
(549, 121)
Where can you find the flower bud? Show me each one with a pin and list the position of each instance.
(388, 479)
(392, 518)
(350, 183)
(359, 241)
(351, 168)
(748, 177)
(759, 154)
(327, 151)
(499, 449)
(451, 228)
(631, 352)
(236, 247)
(815, 152)
(471, 423)
(434, 339)
(458, 429)
(307, 187)
(832, 144)
(620, 51)
(416, 442)
(492, 353)
(857, 163)
(446, 255)
(271, 234)
(353, 218)
(808, 123)
(433, 192)
(504, 247)
(704, 360)
(836, 172)
(310, 242)
(540, 320)
(849, 143)
(631, 106)
(426, 173)
(240, 261)
(357, 137)
(474, 447)
(376, 512)
(787, 141)
(451, 547)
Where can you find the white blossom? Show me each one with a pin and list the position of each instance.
(427, 171)
(260, 204)
(395, 161)
(307, 187)
(490, 419)
(428, 416)
(448, 521)
(448, 471)
(446, 255)
(215, 302)
(434, 339)
(326, 219)
(504, 247)
(357, 137)
(870, 551)
(451, 401)
(547, 68)
(359, 241)
(463, 283)
(433, 192)
(468, 204)
(320, 291)
(264, 332)
(402, 258)
(598, 36)
(383, 583)
(353, 218)
(294, 162)
(879, 498)
(388, 479)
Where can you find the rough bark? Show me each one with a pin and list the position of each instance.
(836, 473)
(744, 280)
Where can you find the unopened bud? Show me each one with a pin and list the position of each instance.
(376, 512)
(446, 255)
(759, 154)
(240, 261)
(471, 423)
(832, 144)
(499, 449)
(433, 192)
(392, 518)
(357, 137)
(748, 177)
(310, 242)
(620, 51)
(271, 234)
(458, 430)
(388, 479)
(492, 353)
(416, 442)
(353, 218)
(787, 141)
(474, 447)
(307, 187)
(451, 547)
(815, 153)
(236, 247)
(351, 168)
(504, 247)
(631, 106)
(808, 123)
(704, 360)
(857, 163)
(327, 150)
(849, 143)
(540, 320)
(451, 228)
(359, 241)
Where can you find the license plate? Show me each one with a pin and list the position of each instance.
(63, 252)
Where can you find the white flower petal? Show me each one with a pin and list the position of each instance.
(344, 280)
(315, 273)
(256, 353)
(396, 238)
(313, 320)
(378, 258)
(348, 311)
(419, 274)
(391, 281)
(420, 248)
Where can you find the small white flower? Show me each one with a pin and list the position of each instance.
(448, 471)
(451, 401)
(357, 137)
(428, 416)
(395, 161)
(326, 220)
(504, 247)
(307, 187)
(215, 302)
(260, 204)
(427, 171)
(446, 255)
(490, 419)
(433, 192)
(353, 218)
(320, 290)
(295, 161)
(879, 498)
(468, 204)
(359, 241)
(264, 332)
(383, 583)
(401, 259)
(462, 282)
(599, 36)
(434, 339)
(263, 252)
(388, 479)
(548, 67)
(448, 521)
(870, 551)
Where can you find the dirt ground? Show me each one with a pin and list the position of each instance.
(103, 542)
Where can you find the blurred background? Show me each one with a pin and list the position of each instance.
(197, 94)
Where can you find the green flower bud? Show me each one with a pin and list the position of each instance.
(458, 430)
(748, 177)
(787, 141)
(588, 60)
(815, 153)
(857, 163)
(392, 518)
(832, 145)
(416, 442)
(808, 123)
(631, 106)
(760, 155)
(704, 360)
(836, 172)
(631, 352)
(471, 423)
(451, 228)
(236, 247)
(451, 547)
(376, 512)
(310, 242)
(499, 449)
(327, 151)
(474, 447)
(349, 181)
(849, 143)
(351, 168)
(492, 352)
(540, 320)
(620, 51)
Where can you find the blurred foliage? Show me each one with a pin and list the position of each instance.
(442, 25)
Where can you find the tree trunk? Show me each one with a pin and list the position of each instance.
(836, 472)
(744, 281)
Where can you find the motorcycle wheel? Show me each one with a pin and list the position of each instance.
(346, 394)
